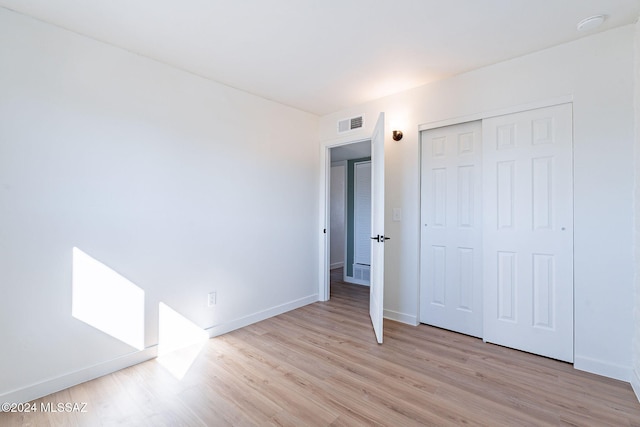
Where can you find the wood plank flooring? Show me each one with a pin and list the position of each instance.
(320, 366)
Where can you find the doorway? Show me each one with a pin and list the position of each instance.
(350, 211)
(378, 237)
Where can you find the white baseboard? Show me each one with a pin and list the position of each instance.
(401, 317)
(241, 322)
(336, 265)
(611, 370)
(635, 383)
(349, 279)
(52, 385)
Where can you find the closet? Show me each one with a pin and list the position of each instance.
(497, 230)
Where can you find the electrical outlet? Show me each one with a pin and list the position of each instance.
(211, 299)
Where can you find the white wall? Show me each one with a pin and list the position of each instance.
(597, 74)
(180, 184)
(338, 213)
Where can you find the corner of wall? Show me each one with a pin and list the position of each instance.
(635, 384)
(603, 368)
(635, 375)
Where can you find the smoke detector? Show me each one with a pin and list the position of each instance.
(591, 23)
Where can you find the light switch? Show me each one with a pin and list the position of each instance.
(397, 214)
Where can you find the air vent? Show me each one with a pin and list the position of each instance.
(362, 272)
(350, 124)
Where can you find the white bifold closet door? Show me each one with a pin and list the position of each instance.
(528, 231)
(451, 238)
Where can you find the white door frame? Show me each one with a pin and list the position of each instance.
(325, 197)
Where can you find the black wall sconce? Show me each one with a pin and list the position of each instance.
(397, 135)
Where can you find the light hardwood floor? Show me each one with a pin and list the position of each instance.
(319, 365)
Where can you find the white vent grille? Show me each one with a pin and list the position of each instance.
(353, 123)
(362, 272)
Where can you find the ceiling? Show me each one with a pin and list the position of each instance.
(357, 150)
(323, 56)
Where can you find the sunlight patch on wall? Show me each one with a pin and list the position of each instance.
(107, 301)
(179, 341)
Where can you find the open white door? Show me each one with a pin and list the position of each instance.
(376, 296)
